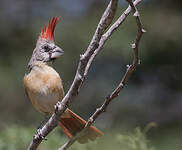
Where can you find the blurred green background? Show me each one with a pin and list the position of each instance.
(153, 93)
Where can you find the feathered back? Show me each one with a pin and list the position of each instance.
(48, 31)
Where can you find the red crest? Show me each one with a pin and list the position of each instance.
(48, 32)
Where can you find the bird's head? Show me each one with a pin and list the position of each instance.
(46, 50)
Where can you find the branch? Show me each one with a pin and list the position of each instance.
(107, 35)
(60, 107)
(86, 59)
(129, 71)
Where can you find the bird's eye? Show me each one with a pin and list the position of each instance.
(46, 48)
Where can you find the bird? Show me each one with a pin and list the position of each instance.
(44, 87)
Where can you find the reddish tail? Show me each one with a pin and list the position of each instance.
(71, 124)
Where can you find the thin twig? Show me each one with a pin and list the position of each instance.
(107, 35)
(129, 71)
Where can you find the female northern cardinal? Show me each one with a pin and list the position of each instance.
(44, 88)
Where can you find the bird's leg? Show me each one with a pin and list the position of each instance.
(41, 125)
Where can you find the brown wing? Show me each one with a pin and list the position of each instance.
(44, 88)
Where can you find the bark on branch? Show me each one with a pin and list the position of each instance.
(86, 59)
(117, 90)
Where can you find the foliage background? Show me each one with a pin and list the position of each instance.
(152, 95)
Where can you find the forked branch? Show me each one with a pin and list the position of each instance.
(95, 46)
(105, 21)
(130, 69)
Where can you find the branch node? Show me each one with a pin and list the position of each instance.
(121, 84)
(39, 135)
(139, 62)
(35, 137)
(128, 66)
(108, 96)
(98, 109)
(80, 77)
(82, 56)
(136, 14)
(125, 13)
(144, 31)
(90, 119)
(56, 106)
(133, 45)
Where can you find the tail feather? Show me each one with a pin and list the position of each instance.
(72, 124)
(65, 130)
